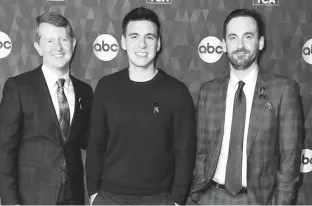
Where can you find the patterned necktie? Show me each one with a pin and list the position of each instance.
(233, 180)
(64, 118)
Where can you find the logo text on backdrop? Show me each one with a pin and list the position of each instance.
(306, 161)
(210, 49)
(105, 47)
(265, 2)
(307, 51)
(159, 1)
(5, 45)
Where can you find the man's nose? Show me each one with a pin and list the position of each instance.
(57, 45)
(142, 43)
(240, 43)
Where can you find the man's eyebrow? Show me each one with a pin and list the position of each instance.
(151, 34)
(231, 34)
(148, 34)
(132, 33)
(246, 33)
(249, 33)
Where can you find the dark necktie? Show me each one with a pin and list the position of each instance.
(64, 119)
(233, 179)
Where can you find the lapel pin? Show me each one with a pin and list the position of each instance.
(79, 100)
(156, 107)
(261, 91)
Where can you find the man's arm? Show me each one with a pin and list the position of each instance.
(87, 111)
(290, 143)
(184, 147)
(10, 133)
(201, 153)
(96, 142)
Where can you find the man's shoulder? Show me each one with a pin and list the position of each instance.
(28, 77)
(112, 78)
(80, 83)
(215, 82)
(278, 80)
(171, 80)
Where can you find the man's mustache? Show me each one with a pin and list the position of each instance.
(241, 50)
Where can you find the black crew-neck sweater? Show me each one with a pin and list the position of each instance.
(142, 136)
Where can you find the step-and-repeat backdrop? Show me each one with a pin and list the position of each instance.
(192, 34)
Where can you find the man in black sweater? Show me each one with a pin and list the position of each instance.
(142, 142)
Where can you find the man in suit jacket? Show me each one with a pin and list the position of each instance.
(249, 126)
(44, 117)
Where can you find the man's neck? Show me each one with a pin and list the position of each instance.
(138, 74)
(241, 74)
(59, 71)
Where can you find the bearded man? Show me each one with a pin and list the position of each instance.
(249, 126)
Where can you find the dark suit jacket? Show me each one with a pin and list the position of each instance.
(30, 141)
(273, 144)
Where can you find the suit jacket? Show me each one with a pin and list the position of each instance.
(31, 147)
(273, 142)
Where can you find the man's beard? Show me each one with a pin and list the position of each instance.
(242, 61)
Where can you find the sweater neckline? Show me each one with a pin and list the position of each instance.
(126, 74)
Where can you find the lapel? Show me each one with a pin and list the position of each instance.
(46, 109)
(219, 111)
(76, 110)
(257, 110)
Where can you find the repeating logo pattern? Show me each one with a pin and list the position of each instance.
(266, 2)
(159, 1)
(5, 45)
(306, 161)
(105, 47)
(210, 49)
(307, 51)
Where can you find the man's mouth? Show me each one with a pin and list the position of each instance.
(58, 55)
(141, 54)
(242, 52)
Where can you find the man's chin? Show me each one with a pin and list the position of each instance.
(239, 66)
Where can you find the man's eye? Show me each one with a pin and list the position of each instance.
(249, 37)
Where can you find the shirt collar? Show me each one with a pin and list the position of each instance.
(51, 78)
(249, 80)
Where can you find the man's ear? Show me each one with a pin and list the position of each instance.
(223, 45)
(158, 44)
(261, 43)
(123, 42)
(38, 48)
(74, 43)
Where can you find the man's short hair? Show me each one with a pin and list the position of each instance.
(55, 19)
(141, 13)
(245, 13)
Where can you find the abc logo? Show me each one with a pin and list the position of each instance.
(5, 45)
(306, 161)
(307, 51)
(105, 47)
(210, 49)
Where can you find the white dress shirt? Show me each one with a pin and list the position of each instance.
(51, 80)
(250, 82)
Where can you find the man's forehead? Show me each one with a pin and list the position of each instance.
(141, 26)
(242, 24)
(46, 27)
